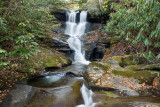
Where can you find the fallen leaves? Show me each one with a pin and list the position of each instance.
(156, 83)
(7, 80)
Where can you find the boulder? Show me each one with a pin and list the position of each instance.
(46, 58)
(133, 60)
(59, 14)
(56, 61)
(111, 74)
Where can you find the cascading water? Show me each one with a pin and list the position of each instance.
(87, 97)
(75, 31)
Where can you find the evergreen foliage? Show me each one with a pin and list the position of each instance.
(136, 21)
(22, 22)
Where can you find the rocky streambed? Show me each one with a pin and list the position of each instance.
(61, 88)
(119, 81)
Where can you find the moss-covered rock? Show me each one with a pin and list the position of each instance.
(142, 76)
(115, 60)
(126, 73)
(144, 67)
(99, 65)
(111, 40)
(133, 60)
(44, 59)
(95, 71)
(111, 94)
(56, 61)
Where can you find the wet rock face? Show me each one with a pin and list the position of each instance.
(94, 51)
(96, 54)
(61, 15)
(130, 81)
(94, 46)
(25, 95)
(19, 96)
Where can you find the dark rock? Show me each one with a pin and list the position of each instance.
(60, 15)
(94, 26)
(73, 75)
(96, 54)
(59, 43)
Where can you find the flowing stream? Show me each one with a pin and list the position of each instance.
(87, 97)
(75, 31)
(65, 87)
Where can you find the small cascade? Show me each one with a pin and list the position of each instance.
(87, 97)
(76, 30)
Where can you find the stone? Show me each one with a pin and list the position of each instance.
(112, 75)
(133, 60)
(45, 59)
(56, 61)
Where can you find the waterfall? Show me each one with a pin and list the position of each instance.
(75, 31)
(87, 97)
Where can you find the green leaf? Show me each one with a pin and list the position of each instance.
(158, 56)
(151, 55)
(157, 45)
(127, 39)
(4, 64)
(22, 24)
(2, 51)
(35, 43)
(147, 42)
(134, 42)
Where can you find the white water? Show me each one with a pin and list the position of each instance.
(87, 97)
(76, 30)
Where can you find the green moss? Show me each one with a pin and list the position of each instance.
(114, 40)
(109, 51)
(144, 67)
(103, 66)
(133, 60)
(135, 67)
(96, 69)
(56, 61)
(111, 94)
(115, 60)
(111, 40)
(153, 67)
(142, 76)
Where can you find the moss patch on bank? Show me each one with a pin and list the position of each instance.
(143, 76)
(45, 58)
(56, 61)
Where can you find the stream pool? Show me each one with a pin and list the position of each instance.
(62, 89)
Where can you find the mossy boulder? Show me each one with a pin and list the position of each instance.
(144, 67)
(142, 76)
(111, 94)
(115, 60)
(56, 61)
(133, 60)
(128, 60)
(45, 58)
(115, 73)
(95, 71)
